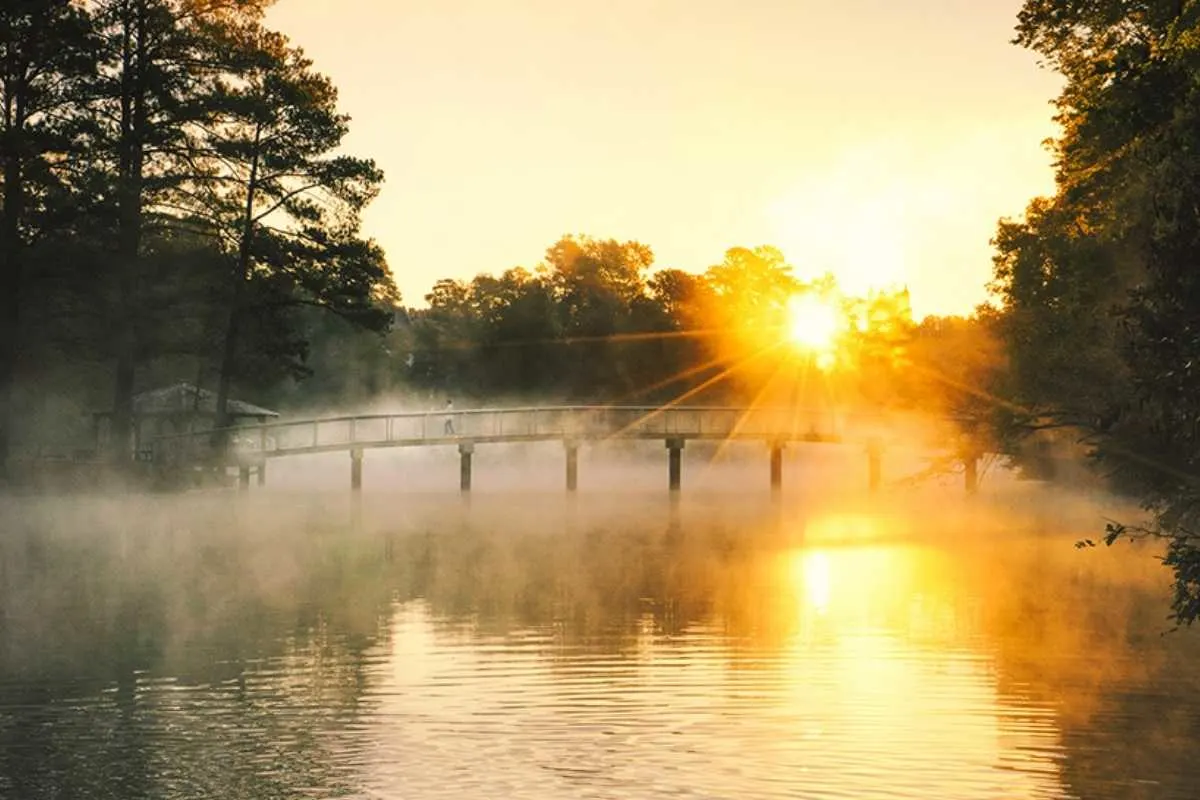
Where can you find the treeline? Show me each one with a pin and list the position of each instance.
(1100, 283)
(595, 322)
(592, 323)
(174, 200)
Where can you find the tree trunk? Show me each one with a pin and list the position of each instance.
(129, 235)
(11, 280)
(11, 263)
(237, 303)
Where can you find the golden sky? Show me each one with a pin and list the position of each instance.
(878, 139)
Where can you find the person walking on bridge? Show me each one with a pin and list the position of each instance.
(449, 426)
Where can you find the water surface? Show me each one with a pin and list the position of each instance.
(284, 646)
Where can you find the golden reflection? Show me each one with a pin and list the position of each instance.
(884, 652)
(856, 588)
(951, 657)
(813, 571)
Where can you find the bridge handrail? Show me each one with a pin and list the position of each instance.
(647, 410)
(270, 439)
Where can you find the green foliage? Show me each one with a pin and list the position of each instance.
(1099, 285)
(1061, 285)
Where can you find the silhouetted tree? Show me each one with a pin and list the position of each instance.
(1101, 295)
(157, 73)
(282, 202)
(45, 53)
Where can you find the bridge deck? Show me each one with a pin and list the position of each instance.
(531, 424)
(272, 451)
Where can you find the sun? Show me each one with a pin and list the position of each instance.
(813, 324)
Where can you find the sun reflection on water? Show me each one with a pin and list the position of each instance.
(843, 664)
(852, 574)
(887, 659)
(814, 577)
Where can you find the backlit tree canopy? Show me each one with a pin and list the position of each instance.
(594, 322)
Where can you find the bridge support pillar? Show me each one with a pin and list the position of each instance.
(874, 464)
(244, 478)
(465, 450)
(262, 472)
(776, 467)
(356, 459)
(674, 463)
(572, 466)
(971, 473)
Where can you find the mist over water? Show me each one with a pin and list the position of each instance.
(525, 643)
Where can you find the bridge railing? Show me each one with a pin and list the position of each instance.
(584, 422)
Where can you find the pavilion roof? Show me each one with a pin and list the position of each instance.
(185, 398)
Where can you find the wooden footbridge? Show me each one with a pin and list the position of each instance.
(248, 447)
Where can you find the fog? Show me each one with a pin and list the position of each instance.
(261, 539)
(292, 592)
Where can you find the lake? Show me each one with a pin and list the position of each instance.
(291, 645)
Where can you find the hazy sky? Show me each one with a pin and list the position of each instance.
(879, 139)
